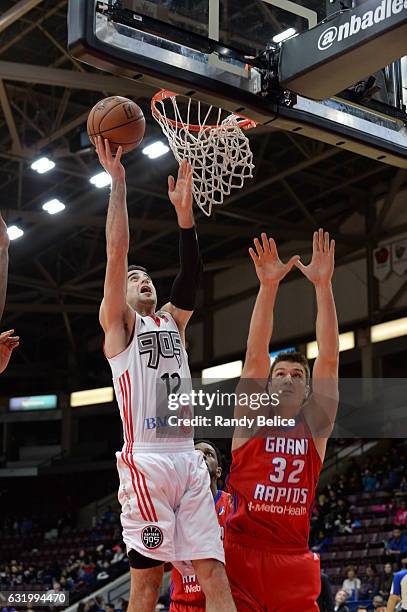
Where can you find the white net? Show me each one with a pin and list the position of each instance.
(219, 154)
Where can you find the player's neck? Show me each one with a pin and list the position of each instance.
(214, 488)
(145, 310)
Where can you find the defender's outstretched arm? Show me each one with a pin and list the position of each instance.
(115, 316)
(270, 271)
(322, 408)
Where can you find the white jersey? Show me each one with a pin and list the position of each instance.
(154, 364)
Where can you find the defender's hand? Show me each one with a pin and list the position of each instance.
(269, 268)
(112, 165)
(7, 344)
(180, 194)
(4, 237)
(321, 267)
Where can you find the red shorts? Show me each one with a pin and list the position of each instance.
(262, 581)
(178, 607)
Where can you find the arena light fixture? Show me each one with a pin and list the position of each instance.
(155, 149)
(43, 165)
(388, 330)
(346, 343)
(52, 207)
(284, 35)
(225, 371)
(14, 232)
(104, 395)
(100, 180)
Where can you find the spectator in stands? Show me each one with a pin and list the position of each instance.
(397, 544)
(326, 601)
(401, 515)
(322, 542)
(370, 584)
(377, 602)
(351, 584)
(386, 580)
(118, 554)
(340, 601)
(403, 485)
(369, 481)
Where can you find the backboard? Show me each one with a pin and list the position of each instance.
(215, 51)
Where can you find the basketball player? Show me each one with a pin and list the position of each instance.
(8, 342)
(186, 592)
(167, 507)
(274, 474)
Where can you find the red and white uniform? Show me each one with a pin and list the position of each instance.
(273, 481)
(186, 592)
(163, 480)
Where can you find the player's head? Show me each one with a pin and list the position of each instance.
(141, 293)
(212, 457)
(290, 378)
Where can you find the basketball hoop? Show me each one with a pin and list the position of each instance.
(218, 151)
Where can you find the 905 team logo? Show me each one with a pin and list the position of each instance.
(152, 537)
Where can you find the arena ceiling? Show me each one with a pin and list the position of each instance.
(57, 267)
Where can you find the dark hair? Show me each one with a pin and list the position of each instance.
(215, 448)
(141, 268)
(294, 357)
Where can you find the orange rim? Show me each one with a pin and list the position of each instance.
(244, 122)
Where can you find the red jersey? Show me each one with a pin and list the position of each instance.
(273, 481)
(186, 590)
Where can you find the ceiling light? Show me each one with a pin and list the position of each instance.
(156, 149)
(53, 206)
(43, 165)
(284, 35)
(103, 179)
(14, 232)
(233, 369)
(388, 330)
(90, 397)
(346, 343)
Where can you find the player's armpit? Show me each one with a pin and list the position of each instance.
(253, 400)
(180, 316)
(117, 332)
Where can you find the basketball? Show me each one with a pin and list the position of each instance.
(118, 119)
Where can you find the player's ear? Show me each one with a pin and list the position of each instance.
(218, 472)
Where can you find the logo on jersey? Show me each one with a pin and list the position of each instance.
(152, 537)
(158, 344)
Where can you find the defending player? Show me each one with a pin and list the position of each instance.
(186, 592)
(8, 342)
(167, 506)
(274, 474)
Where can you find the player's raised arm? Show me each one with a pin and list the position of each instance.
(4, 244)
(115, 315)
(322, 408)
(270, 271)
(183, 293)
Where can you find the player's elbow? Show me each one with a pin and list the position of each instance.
(256, 365)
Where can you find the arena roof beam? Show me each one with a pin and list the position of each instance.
(16, 12)
(11, 124)
(58, 77)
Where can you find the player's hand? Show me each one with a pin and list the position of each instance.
(321, 267)
(4, 237)
(180, 194)
(269, 268)
(112, 165)
(8, 343)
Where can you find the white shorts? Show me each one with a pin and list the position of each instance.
(168, 512)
